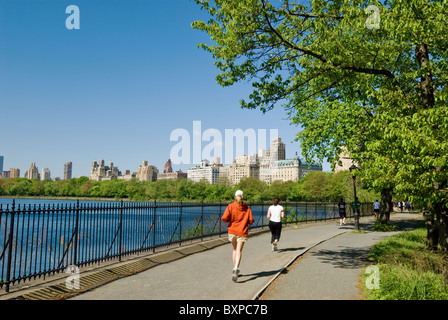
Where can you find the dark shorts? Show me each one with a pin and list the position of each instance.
(342, 214)
(276, 230)
(376, 210)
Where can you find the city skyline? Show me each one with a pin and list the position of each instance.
(116, 88)
(115, 171)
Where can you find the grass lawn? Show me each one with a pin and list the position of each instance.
(407, 271)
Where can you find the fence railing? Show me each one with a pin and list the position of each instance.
(41, 240)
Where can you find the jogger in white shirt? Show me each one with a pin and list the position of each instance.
(275, 214)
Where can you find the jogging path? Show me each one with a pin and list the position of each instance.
(314, 261)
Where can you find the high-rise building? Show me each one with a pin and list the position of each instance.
(68, 171)
(101, 172)
(33, 172)
(1, 164)
(292, 169)
(45, 174)
(206, 171)
(5, 174)
(167, 168)
(344, 162)
(14, 173)
(244, 167)
(146, 172)
(276, 152)
(169, 174)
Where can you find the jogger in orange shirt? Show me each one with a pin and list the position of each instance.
(239, 216)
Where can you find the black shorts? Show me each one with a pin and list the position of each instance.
(342, 214)
(376, 210)
(276, 230)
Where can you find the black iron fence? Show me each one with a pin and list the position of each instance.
(41, 240)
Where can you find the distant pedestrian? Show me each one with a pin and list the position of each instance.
(400, 205)
(342, 214)
(376, 208)
(275, 214)
(239, 216)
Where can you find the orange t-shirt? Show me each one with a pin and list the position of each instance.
(239, 218)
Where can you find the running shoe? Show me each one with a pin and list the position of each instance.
(235, 273)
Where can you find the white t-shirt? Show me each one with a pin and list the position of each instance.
(276, 212)
(376, 205)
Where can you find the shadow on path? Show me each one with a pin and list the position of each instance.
(290, 249)
(344, 257)
(253, 276)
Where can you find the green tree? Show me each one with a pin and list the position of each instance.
(380, 92)
(281, 189)
(5, 185)
(253, 188)
(21, 187)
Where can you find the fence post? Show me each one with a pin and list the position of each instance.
(11, 230)
(219, 217)
(121, 230)
(75, 249)
(154, 225)
(202, 218)
(306, 212)
(262, 215)
(295, 219)
(180, 224)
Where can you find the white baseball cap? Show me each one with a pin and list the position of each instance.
(239, 193)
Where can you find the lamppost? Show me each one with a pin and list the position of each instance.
(356, 205)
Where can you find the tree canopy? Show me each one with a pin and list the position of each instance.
(379, 90)
(316, 186)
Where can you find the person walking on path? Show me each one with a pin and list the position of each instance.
(342, 214)
(238, 215)
(376, 208)
(275, 214)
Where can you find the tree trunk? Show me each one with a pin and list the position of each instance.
(445, 268)
(442, 219)
(432, 234)
(386, 205)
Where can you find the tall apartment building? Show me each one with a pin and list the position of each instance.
(45, 174)
(67, 171)
(292, 169)
(146, 172)
(2, 158)
(14, 173)
(5, 174)
(276, 152)
(33, 172)
(99, 171)
(206, 171)
(243, 167)
(344, 162)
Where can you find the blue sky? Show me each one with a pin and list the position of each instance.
(115, 89)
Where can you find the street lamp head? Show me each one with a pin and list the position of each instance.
(352, 167)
